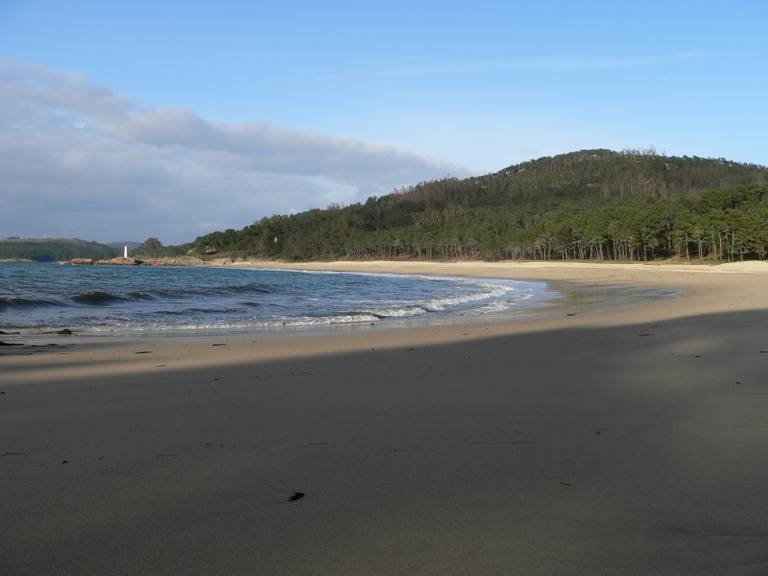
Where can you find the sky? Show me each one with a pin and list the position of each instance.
(120, 121)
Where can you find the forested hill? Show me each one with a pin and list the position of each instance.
(53, 249)
(591, 204)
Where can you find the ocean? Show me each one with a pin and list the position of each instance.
(190, 300)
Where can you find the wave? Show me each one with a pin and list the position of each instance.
(306, 321)
(491, 291)
(27, 303)
(382, 313)
(442, 304)
(136, 295)
(250, 288)
(198, 310)
(493, 307)
(96, 298)
(318, 320)
(253, 287)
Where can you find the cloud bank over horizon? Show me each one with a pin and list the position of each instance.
(78, 160)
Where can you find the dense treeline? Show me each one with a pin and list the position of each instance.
(53, 249)
(594, 204)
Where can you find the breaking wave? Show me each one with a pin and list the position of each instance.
(6, 302)
(249, 288)
(96, 298)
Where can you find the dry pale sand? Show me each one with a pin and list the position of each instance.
(612, 441)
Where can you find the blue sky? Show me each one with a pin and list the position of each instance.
(476, 86)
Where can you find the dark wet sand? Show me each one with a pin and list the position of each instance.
(629, 448)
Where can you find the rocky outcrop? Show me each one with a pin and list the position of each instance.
(173, 261)
(106, 262)
(165, 261)
(120, 261)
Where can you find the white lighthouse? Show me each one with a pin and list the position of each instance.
(125, 251)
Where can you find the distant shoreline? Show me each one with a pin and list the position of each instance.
(467, 266)
(691, 265)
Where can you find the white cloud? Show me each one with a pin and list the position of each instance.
(78, 160)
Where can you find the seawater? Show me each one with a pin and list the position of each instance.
(120, 300)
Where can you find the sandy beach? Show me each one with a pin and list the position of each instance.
(591, 440)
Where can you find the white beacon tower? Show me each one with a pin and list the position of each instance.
(125, 251)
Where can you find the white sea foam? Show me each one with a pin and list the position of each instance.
(494, 307)
(319, 321)
(405, 312)
(492, 291)
(277, 323)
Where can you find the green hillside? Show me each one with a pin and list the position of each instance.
(591, 204)
(153, 248)
(53, 249)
